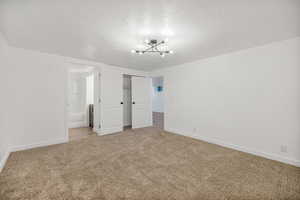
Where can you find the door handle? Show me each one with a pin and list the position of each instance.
(133, 102)
(121, 102)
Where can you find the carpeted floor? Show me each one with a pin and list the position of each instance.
(80, 133)
(145, 164)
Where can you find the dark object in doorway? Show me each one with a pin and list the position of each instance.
(91, 115)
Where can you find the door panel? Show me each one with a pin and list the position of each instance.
(111, 98)
(127, 107)
(97, 96)
(141, 98)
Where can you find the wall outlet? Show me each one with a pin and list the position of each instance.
(283, 149)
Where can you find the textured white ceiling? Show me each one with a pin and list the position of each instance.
(106, 30)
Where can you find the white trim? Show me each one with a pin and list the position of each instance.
(30, 146)
(109, 131)
(4, 160)
(143, 126)
(41, 144)
(237, 147)
(66, 112)
(97, 130)
(97, 113)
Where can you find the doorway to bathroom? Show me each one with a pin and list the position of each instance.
(81, 99)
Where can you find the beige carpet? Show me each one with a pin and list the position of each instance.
(80, 133)
(145, 164)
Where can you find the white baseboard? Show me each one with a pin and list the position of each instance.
(105, 131)
(77, 124)
(30, 146)
(97, 130)
(237, 147)
(41, 144)
(143, 126)
(4, 159)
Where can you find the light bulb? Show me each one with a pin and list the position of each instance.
(133, 51)
(171, 52)
(162, 55)
(140, 52)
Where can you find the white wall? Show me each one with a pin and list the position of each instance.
(157, 97)
(4, 135)
(34, 97)
(248, 100)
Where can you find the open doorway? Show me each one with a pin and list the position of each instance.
(80, 102)
(158, 102)
(127, 102)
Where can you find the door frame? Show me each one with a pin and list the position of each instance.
(97, 74)
(97, 101)
(164, 99)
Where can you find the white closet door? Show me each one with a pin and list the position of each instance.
(127, 107)
(141, 102)
(111, 98)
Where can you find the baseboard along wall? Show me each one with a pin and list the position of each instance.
(237, 147)
(26, 147)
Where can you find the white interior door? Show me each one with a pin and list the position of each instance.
(127, 107)
(111, 98)
(141, 102)
(97, 106)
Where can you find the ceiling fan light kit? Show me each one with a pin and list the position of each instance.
(154, 47)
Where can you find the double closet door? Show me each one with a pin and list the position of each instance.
(111, 106)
